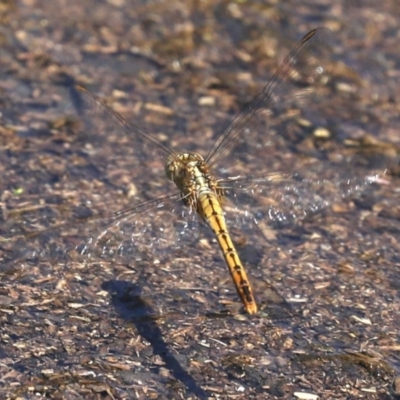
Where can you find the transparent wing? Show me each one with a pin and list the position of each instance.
(282, 198)
(153, 228)
(299, 75)
(108, 138)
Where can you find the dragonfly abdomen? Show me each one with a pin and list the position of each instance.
(212, 212)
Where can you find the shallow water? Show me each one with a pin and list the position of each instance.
(160, 326)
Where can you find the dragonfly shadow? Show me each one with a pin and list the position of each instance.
(131, 306)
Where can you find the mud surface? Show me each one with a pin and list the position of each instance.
(143, 311)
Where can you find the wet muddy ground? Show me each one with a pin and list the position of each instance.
(165, 322)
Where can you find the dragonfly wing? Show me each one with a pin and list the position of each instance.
(303, 71)
(155, 228)
(101, 140)
(288, 200)
(313, 184)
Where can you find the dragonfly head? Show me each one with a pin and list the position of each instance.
(181, 167)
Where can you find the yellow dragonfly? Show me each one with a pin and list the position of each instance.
(252, 171)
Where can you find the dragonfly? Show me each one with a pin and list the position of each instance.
(207, 191)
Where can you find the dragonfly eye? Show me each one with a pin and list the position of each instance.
(171, 170)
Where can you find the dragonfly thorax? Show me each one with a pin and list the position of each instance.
(190, 174)
(183, 167)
